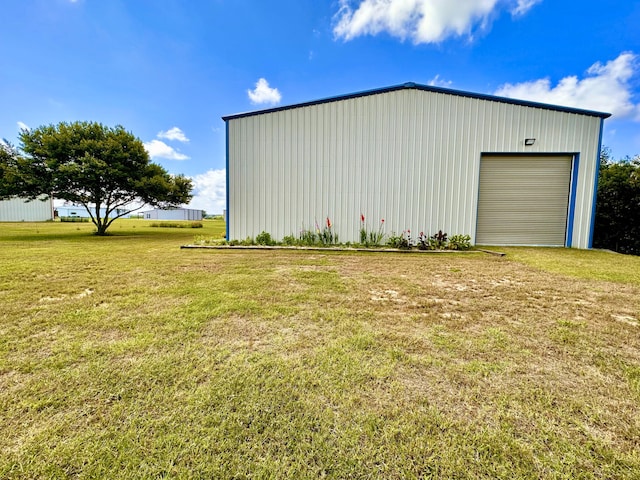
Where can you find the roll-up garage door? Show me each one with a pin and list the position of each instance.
(523, 200)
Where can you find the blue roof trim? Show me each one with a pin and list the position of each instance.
(426, 88)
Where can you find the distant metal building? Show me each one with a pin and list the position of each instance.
(79, 211)
(504, 171)
(20, 210)
(173, 214)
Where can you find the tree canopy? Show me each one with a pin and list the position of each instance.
(618, 205)
(93, 165)
(8, 159)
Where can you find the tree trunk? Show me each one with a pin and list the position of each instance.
(101, 225)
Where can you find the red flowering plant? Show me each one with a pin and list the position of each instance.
(326, 235)
(370, 237)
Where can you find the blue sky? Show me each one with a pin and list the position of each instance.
(167, 70)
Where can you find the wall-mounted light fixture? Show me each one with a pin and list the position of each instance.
(529, 141)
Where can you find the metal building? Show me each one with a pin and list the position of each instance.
(80, 211)
(173, 214)
(504, 171)
(20, 210)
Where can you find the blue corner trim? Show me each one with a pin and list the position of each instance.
(226, 126)
(426, 88)
(595, 186)
(572, 199)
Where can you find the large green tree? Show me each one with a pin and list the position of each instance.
(618, 206)
(96, 166)
(8, 159)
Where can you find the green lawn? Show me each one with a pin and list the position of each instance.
(127, 357)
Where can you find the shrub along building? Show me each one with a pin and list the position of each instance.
(503, 171)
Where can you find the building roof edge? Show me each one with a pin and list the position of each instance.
(427, 88)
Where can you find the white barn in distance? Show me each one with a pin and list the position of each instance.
(21, 210)
(173, 214)
(503, 171)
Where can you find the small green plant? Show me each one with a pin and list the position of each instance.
(438, 241)
(402, 241)
(370, 238)
(264, 238)
(201, 240)
(289, 240)
(326, 235)
(459, 242)
(247, 242)
(307, 237)
(208, 240)
(423, 241)
(363, 230)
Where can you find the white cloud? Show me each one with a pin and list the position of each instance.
(423, 21)
(174, 134)
(439, 82)
(605, 88)
(523, 6)
(159, 149)
(23, 126)
(210, 191)
(263, 93)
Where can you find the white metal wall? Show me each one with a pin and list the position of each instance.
(174, 214)
(81, 212)
(17, 210)
(409, 156)
(75, 211)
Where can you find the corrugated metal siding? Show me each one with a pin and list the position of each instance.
(411, 157)
(74, 211)
(173, 214)
(523, 200)
(81, 212)
(17, 210)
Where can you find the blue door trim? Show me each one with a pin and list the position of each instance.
(226, 126)
(575, 169)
